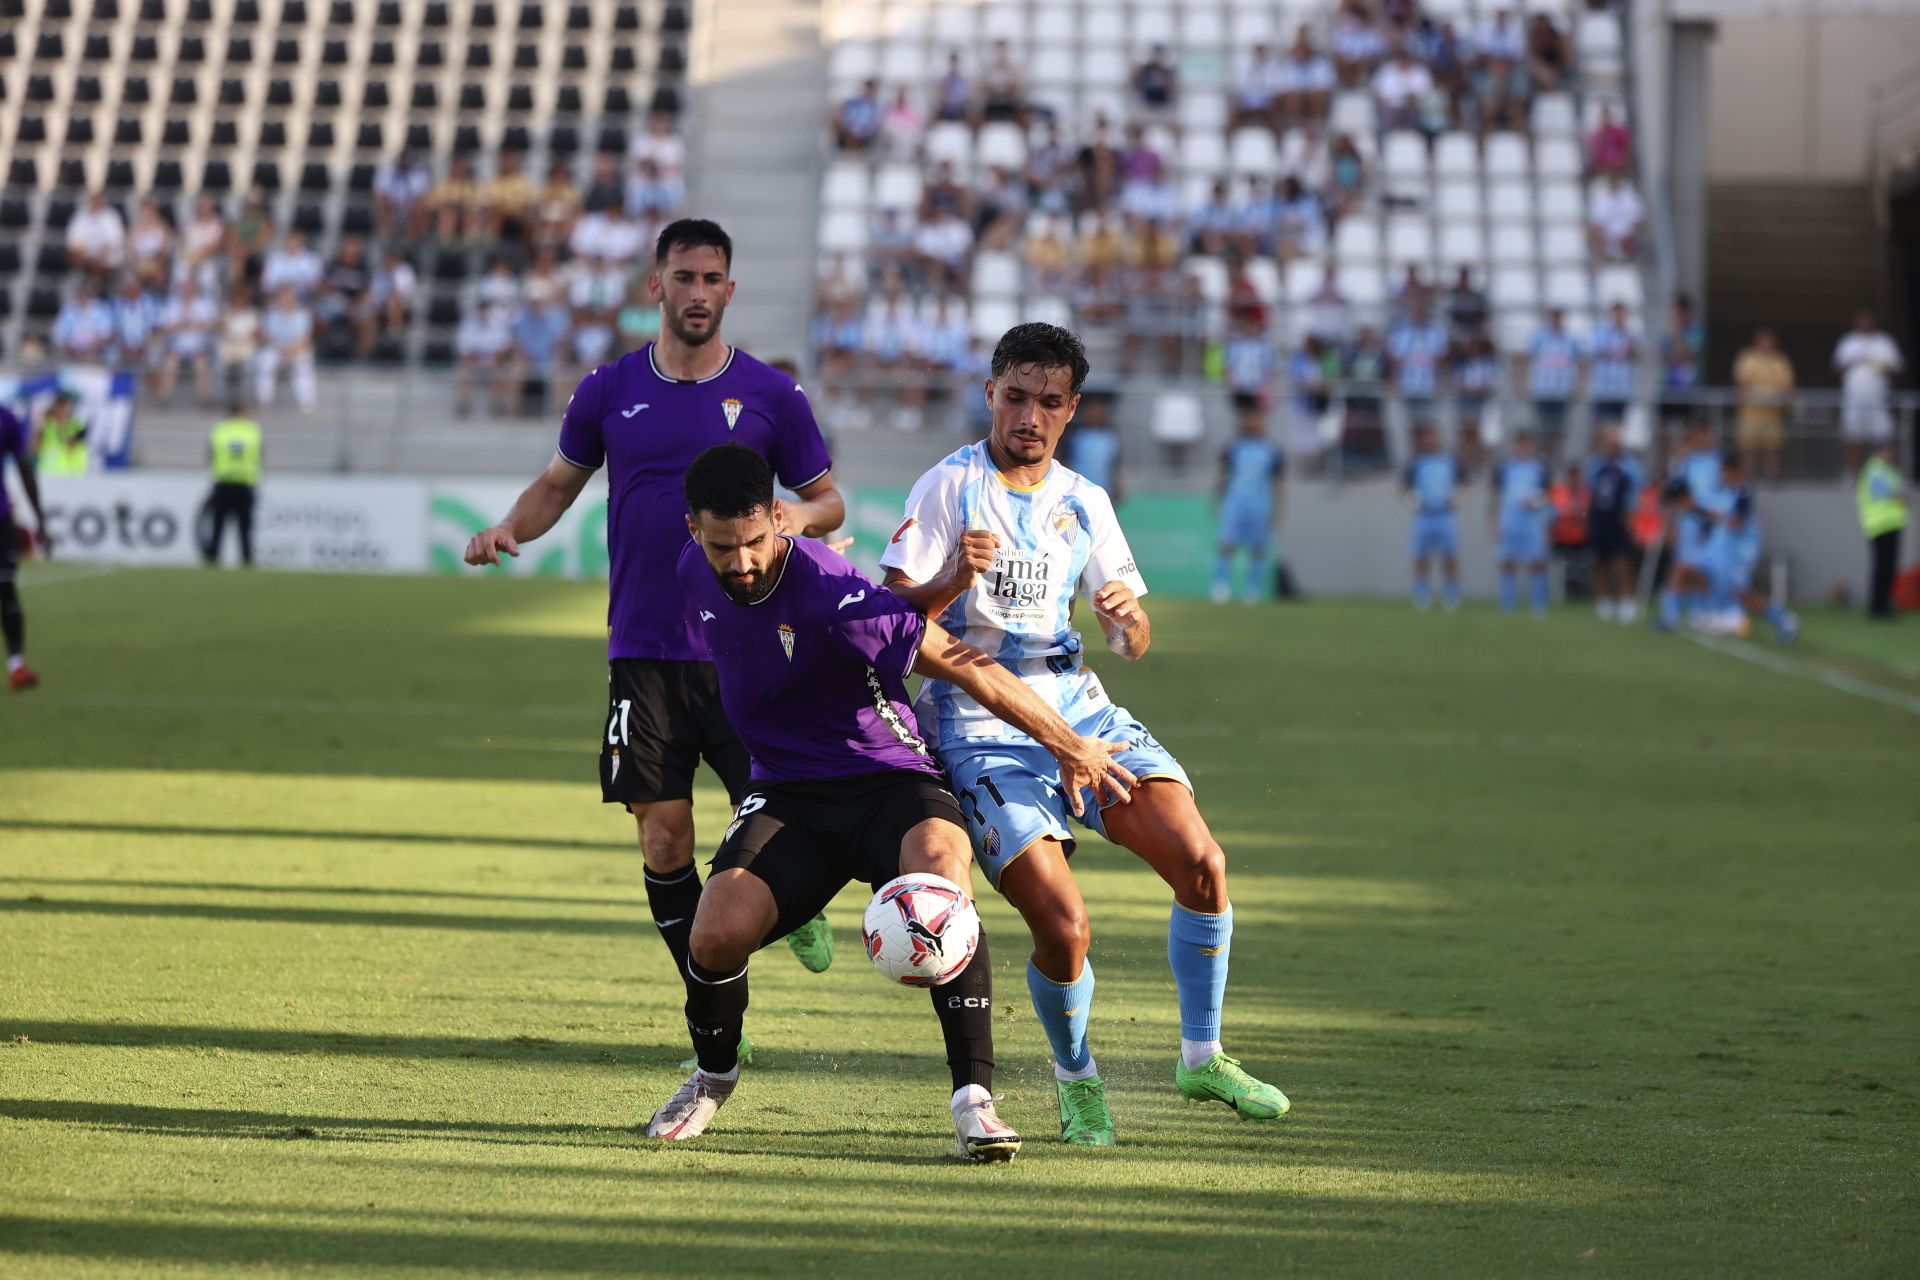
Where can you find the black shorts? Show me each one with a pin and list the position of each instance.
(1608, 539)
(9, 548)
(807, 840)
(663, 718)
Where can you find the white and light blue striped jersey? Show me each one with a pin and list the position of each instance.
(1058, 538)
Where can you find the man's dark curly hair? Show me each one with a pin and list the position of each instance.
(1046, 345)
(692, 233)
(729, 481)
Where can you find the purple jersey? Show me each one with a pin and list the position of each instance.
(13, 444)
(814, 675)
(647, 429)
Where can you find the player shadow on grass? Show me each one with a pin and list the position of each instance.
(636, 899)
(607, 926)
(612, 844)
(358, 1044)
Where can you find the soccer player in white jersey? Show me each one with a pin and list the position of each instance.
(999, 539)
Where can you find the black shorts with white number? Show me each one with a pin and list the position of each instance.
(663, 718)
(807, 840)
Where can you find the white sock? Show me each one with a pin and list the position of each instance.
(1628, 611)
(724, 1077)
(15, 662)
(1197, 1053)
(972, 1095)
(1605, 608)
(1061, 1073)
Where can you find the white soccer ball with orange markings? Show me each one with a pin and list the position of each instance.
(920, 929)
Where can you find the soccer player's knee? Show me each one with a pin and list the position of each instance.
(1207, 875)
(719, 942)
(1064, 936)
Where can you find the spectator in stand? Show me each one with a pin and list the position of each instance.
(1499, 36)
(399, 195)
(1156, 305)
(604, 231)
(1476, 383)
(252, 235)
(666, 150)
(649, 198)
(1357, 44)
(1407, 293)
(944, 248)
(1049, 257)
(1299, 229)
(555, 209)
(1867, 361)
(1447, 57)
(1097, 170)
(392, 294)
(1156, 85)
(1003, 90)
(1552, 379)
(944, 338)
(594, 298)
(892, 345)
(150, 247)
(83, 330)
(1347, 177)
(1103, 253)
(606, 189)
(239, 341)
(499, 287)
(1549, 55)
(838, 336)
(1501, 81)
(203, 245)
(639, 320)
(345, 319)
(890, 248)
(286, 343)
(293, 265)
(1613, 220)
(1400, 88)
(1609, 145)
(97, 238)
(484, 344)
(137, 339)
(1050, 163)
(1327, 315)
(1305, 84)
(1363, 438)
(1416, 353)
(1682, 347)
(1255, 83)
(856, 122)
(999, 209)
(1211, 225)
(453, 206)
(1467, 307)
(1616, 354)
(540, 325)
(189, 321)
(1763, 384)
(506, 203)
(1248, 357)
(942, 194)
(953, 94)
(903, 127)
(1311, 381)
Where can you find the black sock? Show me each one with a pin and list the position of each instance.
(13, 621)
(716, 1011)
(965, 1006)
(673, 897)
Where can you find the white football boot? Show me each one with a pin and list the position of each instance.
(981, 1136)
(691, 1108)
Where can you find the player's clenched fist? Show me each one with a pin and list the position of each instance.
(486, 546)
(1116, 603)
(974, 556)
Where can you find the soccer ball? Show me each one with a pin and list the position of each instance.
(920, 929)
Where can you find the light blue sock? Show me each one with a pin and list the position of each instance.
(1776, 615)
(1509, 591)
(1062, 1011)
(1539, 593)
(1422, 595)
(1197, 949)
(1450, 593)
(1223, 573)
(1670, 607)
(1256, 588)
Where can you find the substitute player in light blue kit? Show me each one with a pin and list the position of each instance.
(1520, 511)
(1733, 552)
(1432, 477)
(1252, 471)
(999, 541)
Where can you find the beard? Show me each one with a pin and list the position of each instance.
(748, 590)
(696, 338)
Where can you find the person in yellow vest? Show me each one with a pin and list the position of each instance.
(1883, 518)
(61, 440)
(234, 451)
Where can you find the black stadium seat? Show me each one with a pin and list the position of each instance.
(382, 53)
(678, 19)
(369, 138)
(30, 129)
(436, 15)
(145, 49)
(516, 137)
(73, 173)
(293, 13)
(356, 220)
(425, 96)
(155, 11)
(613, 141)
(623, 60)
(86, 89)
(273, 133)
(60, 212)
(233, 93)
(99, 48)
(473, 97)
(334, 53)
(39, 88)
(443, 309)
(192, 49)
(526, 57)
(176, 134)
(52, 260)
(186, 91)
(666, 101)
(575, 58)
(106, 10)
(388, 14)
(310, 219)
(286, 53)
(10, 263)
(673, 59)
(567, 101)
(532, 17)
(360, 178)
(23, 174)
(216, 176)
(167, 174)
(341, 13)
(375, 98)
(564, 140)
(432, 54)
(43, 303)
(266, 175)
(479, 55)
(239, 50)
(120, 175)
(419, 137)
(136, 91)
(320, 135)
(59, 10)
(14, 213)
(314, 177)
(279, 93)
(466, 140)
(51, 48)
(579, 18)
(618, 101)
(520, 98)
(437, 355)
(326, 93)
(127, 132)
(245, 12)
(484, 17)
(226, 133)
(79, 131)
(626, 18)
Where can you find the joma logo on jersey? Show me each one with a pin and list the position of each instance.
(1025, 581)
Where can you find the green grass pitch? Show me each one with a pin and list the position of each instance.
(1575, 947)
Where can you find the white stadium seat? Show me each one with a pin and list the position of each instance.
(1569, 288)
(1264, 275)
(1404, 154)
(1618, 284)
(904, 62)
(1004, 21)
(1512, 243)
(1104, 26)
(1202, 27)
(996, 275)
(1513, 288)
(1598, 38)
(1204, 153)
(953, 27)
(1105, 68)
(1053, 64)
(853, 22)
(1456, 155)
(1506, 156)
(1201, 110)
(897, 186)
(949, 140)
(1250, 27)
(1563, 244)
(1509, 202)
(1352, 113)
(1179, 417)
(1211, 273)
(1514, 328)
(846, 185)
(1553, 116)
(1459, 201)
(1001, 145)
(855, 60)
(994, 316)
(843, 231)
(1252, 152)
(1562, 202)
(1153, 24)
(1365, 287)
(1461, 244)
(1558, 158)
(1357, 239)
(1054, 311)
(1055, 24)
(1409, 240)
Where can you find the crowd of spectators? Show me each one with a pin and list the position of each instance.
(1100, 222)
(231, 295)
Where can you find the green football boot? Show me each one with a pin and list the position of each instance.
(1222, 1080)
(746, 1055)
(1084, 1118)
(813, 943)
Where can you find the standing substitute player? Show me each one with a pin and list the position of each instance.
(998, 542)
(646, 417)
(13, 620)
(813, 661)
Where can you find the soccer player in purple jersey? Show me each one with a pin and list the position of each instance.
(645, 417)
(813, 659)
(13, 620)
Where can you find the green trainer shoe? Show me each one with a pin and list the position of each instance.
(746, 1055)
(1084, 1118)
(1222, 1080)
(813, 943)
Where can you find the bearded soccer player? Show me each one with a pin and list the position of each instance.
(812, 660)
(646, 417)
(999, 541)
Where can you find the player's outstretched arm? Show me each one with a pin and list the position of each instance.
(537, 509)
(820, 510)
(973, 557)
(1129, 632)
(1084, 762)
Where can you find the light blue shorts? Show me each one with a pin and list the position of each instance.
(1246, 525)
(1434, 534)
(1011, 794)
(1523, 540)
